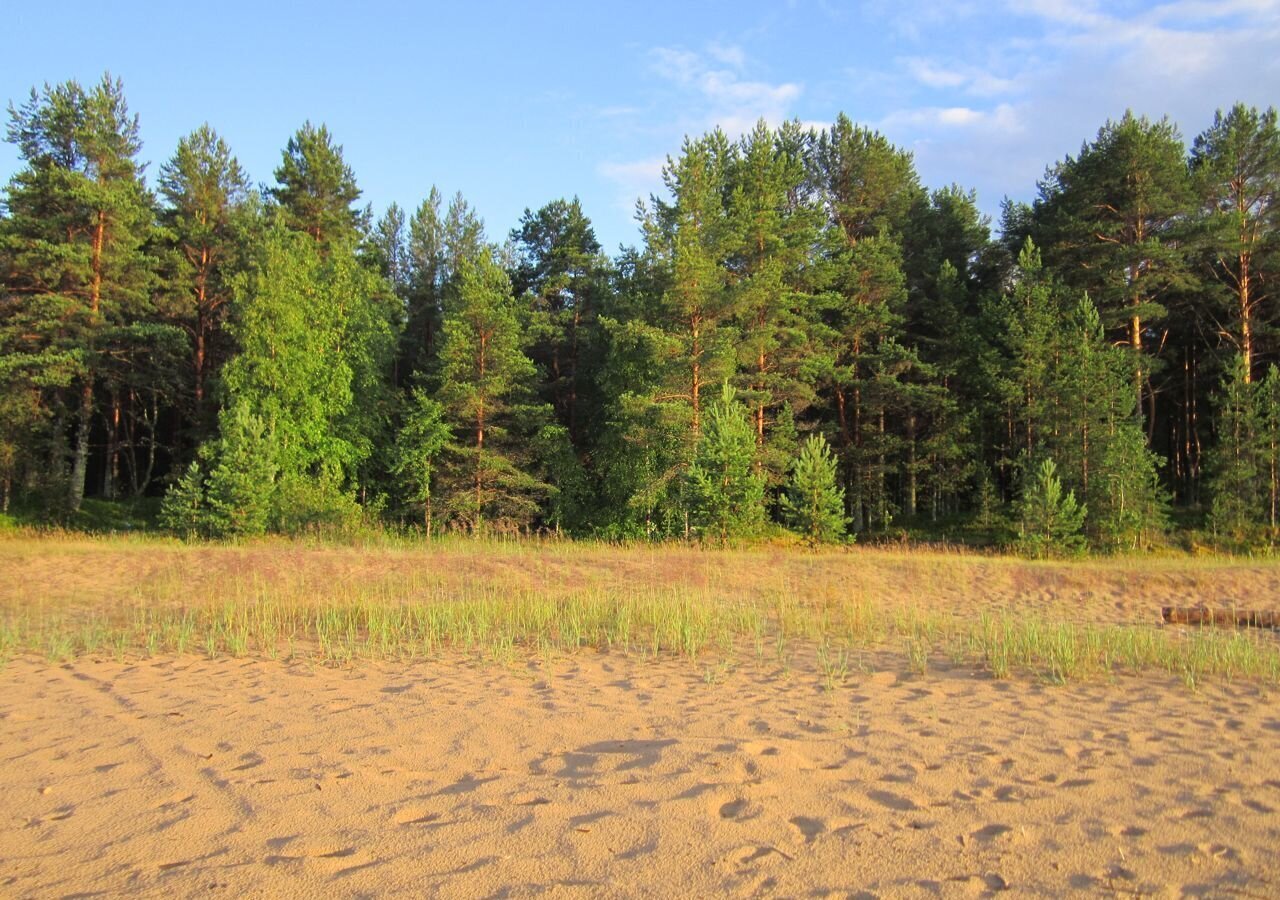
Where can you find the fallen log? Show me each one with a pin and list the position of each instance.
(1238, 618)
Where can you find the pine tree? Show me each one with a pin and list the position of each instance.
(867, 187)
(774, 222)
(813, 503)
(1109, 221)
(689, 236)
(316, 190)
(482, 382)
(79, 219)
(1097, 425)
(389, 247)
(1235, 165)
(562, 274)
(209, 215)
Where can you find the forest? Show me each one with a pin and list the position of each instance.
(804, 341)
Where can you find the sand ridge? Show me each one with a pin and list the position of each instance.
(603, 775)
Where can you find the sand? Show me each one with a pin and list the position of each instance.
(603, 775)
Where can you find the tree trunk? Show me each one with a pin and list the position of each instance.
(695, 386)
(882, 503)
(111, 470)
(80, 451)
(479, 520)
(1246, 323)
(80, 458)
(911, 465)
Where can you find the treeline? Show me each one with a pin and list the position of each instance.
(805, 338)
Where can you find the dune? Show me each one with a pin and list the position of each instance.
(599, 774)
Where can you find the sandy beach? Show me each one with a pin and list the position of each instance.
(598, 774)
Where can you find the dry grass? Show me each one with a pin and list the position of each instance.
(828, 612)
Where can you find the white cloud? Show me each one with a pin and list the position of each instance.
(636, 171)
(716, 92)
(675, 64)
(967, 78)
(633, 179)
(727, 54)
(1003, 118)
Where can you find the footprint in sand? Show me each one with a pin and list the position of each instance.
(753, 854)
(893, 801)
(414, 816)
(1076, 783)
(176, 800)
(529, 799)
(990, 833)
(808, 828)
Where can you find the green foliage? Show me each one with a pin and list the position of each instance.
(483, 380)
(313, 365)
(314, 335)
(726, 488)
(569, 502)
(183, 510)
(240, 489)
(423, 436)
(316, 188)
(313, 505)
(1128, 509)
(1235, 166)
(1051, 519)
(1237, 464)
(74, 248)
(1108, 218)
(208, 217)
(813, 503)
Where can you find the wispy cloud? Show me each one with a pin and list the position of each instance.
(715, 90)
(699, 90)
(969, 79)
(1002, 118)
(632, 179)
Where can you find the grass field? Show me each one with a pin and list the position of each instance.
(830, 614)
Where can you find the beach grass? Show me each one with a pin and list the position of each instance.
(828, 613)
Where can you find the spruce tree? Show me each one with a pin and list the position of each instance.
(1050, 518)
(814, 503)
(726, 490)
(1237, 466)
(422, 438)
(183, 510)
(240, 492)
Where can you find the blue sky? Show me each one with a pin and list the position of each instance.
(518, 104)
